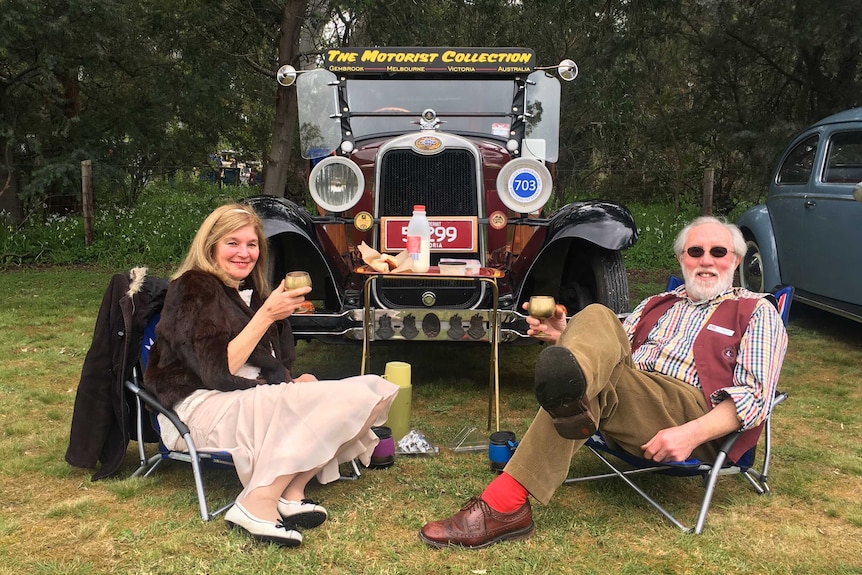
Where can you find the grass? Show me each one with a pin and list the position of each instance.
(54, 520)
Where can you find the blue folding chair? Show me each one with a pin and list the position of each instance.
(191, 454)
(709, 471)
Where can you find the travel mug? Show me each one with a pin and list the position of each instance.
(501, 446)
(384, 454)
(398, 372)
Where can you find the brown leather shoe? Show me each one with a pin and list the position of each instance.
(477, 526)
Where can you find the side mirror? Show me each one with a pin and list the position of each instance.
(568, 70)
(286, 75)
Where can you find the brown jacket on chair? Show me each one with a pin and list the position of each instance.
(102, 417)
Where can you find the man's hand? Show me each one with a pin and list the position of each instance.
(677, 443)
(671, 444)
(547, 329)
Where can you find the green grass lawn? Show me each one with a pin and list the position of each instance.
(54, 520)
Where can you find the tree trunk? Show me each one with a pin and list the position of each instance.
(278, 160)
(10, 203)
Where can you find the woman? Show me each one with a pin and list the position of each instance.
(222, 360)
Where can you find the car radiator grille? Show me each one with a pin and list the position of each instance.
(446, 184)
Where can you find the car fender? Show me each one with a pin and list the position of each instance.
(286, 224)
(756, 225)
(608, 225)
(604, 224)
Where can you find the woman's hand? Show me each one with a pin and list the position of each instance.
(547, 329)
(279, 305)
(305, 377)
(282, 303)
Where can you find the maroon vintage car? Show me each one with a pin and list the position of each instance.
(471, 133)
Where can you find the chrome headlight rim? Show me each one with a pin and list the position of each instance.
(524, 185)
(324, 171)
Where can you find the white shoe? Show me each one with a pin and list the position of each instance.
(305, 514)
(238, 516)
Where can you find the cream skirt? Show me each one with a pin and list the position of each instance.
(275, 430)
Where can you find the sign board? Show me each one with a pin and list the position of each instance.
(430, 60)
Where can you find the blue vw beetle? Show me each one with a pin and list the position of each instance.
(809, 231)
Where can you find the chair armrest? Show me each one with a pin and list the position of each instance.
(153, 403)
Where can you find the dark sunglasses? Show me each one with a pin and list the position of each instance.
(717, 252)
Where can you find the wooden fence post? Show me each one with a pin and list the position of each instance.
(87, 200)
(708, 182)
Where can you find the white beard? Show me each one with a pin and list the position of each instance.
(704, 290)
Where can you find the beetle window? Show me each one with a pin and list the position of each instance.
(797, 167)
(844, 158)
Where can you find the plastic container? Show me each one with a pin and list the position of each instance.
(419, 240)
(453, 268)
(398, 372)
(501, 446)
(384, 453)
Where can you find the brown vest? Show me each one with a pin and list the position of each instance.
(714, 352)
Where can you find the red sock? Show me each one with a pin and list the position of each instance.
(505, 494)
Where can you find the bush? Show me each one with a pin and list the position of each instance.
(658, 226)
(157, 231)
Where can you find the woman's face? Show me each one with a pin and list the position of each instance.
(237, 252)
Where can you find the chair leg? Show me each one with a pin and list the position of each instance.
(712, 479)
(642, 493)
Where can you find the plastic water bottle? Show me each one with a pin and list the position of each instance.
(419, 240)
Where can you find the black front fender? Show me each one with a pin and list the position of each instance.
(605, 224)
(294, 244)
(580, 234)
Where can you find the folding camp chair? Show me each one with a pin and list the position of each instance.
(191, 454)
(709, 471)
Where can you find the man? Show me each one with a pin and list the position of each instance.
(685, 369)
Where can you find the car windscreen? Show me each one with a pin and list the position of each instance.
(471, 106)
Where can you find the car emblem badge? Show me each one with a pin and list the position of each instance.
(363, 221)
(427, 143)
(497, 220)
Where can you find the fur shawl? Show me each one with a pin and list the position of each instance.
(200, 317)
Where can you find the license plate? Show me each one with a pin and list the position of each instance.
(452, 234)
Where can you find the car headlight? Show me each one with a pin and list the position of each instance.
(524, 185)
(336, 184)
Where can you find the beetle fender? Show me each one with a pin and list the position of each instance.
(756, 225)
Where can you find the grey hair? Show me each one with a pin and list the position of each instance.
(738, 240)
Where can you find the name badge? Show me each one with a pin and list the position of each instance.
(719, 329)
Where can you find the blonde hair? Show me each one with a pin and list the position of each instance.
(222, 221)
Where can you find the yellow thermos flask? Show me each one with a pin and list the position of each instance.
(398, 372)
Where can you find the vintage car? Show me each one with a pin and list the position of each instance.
(809, 231)
(472, 134)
